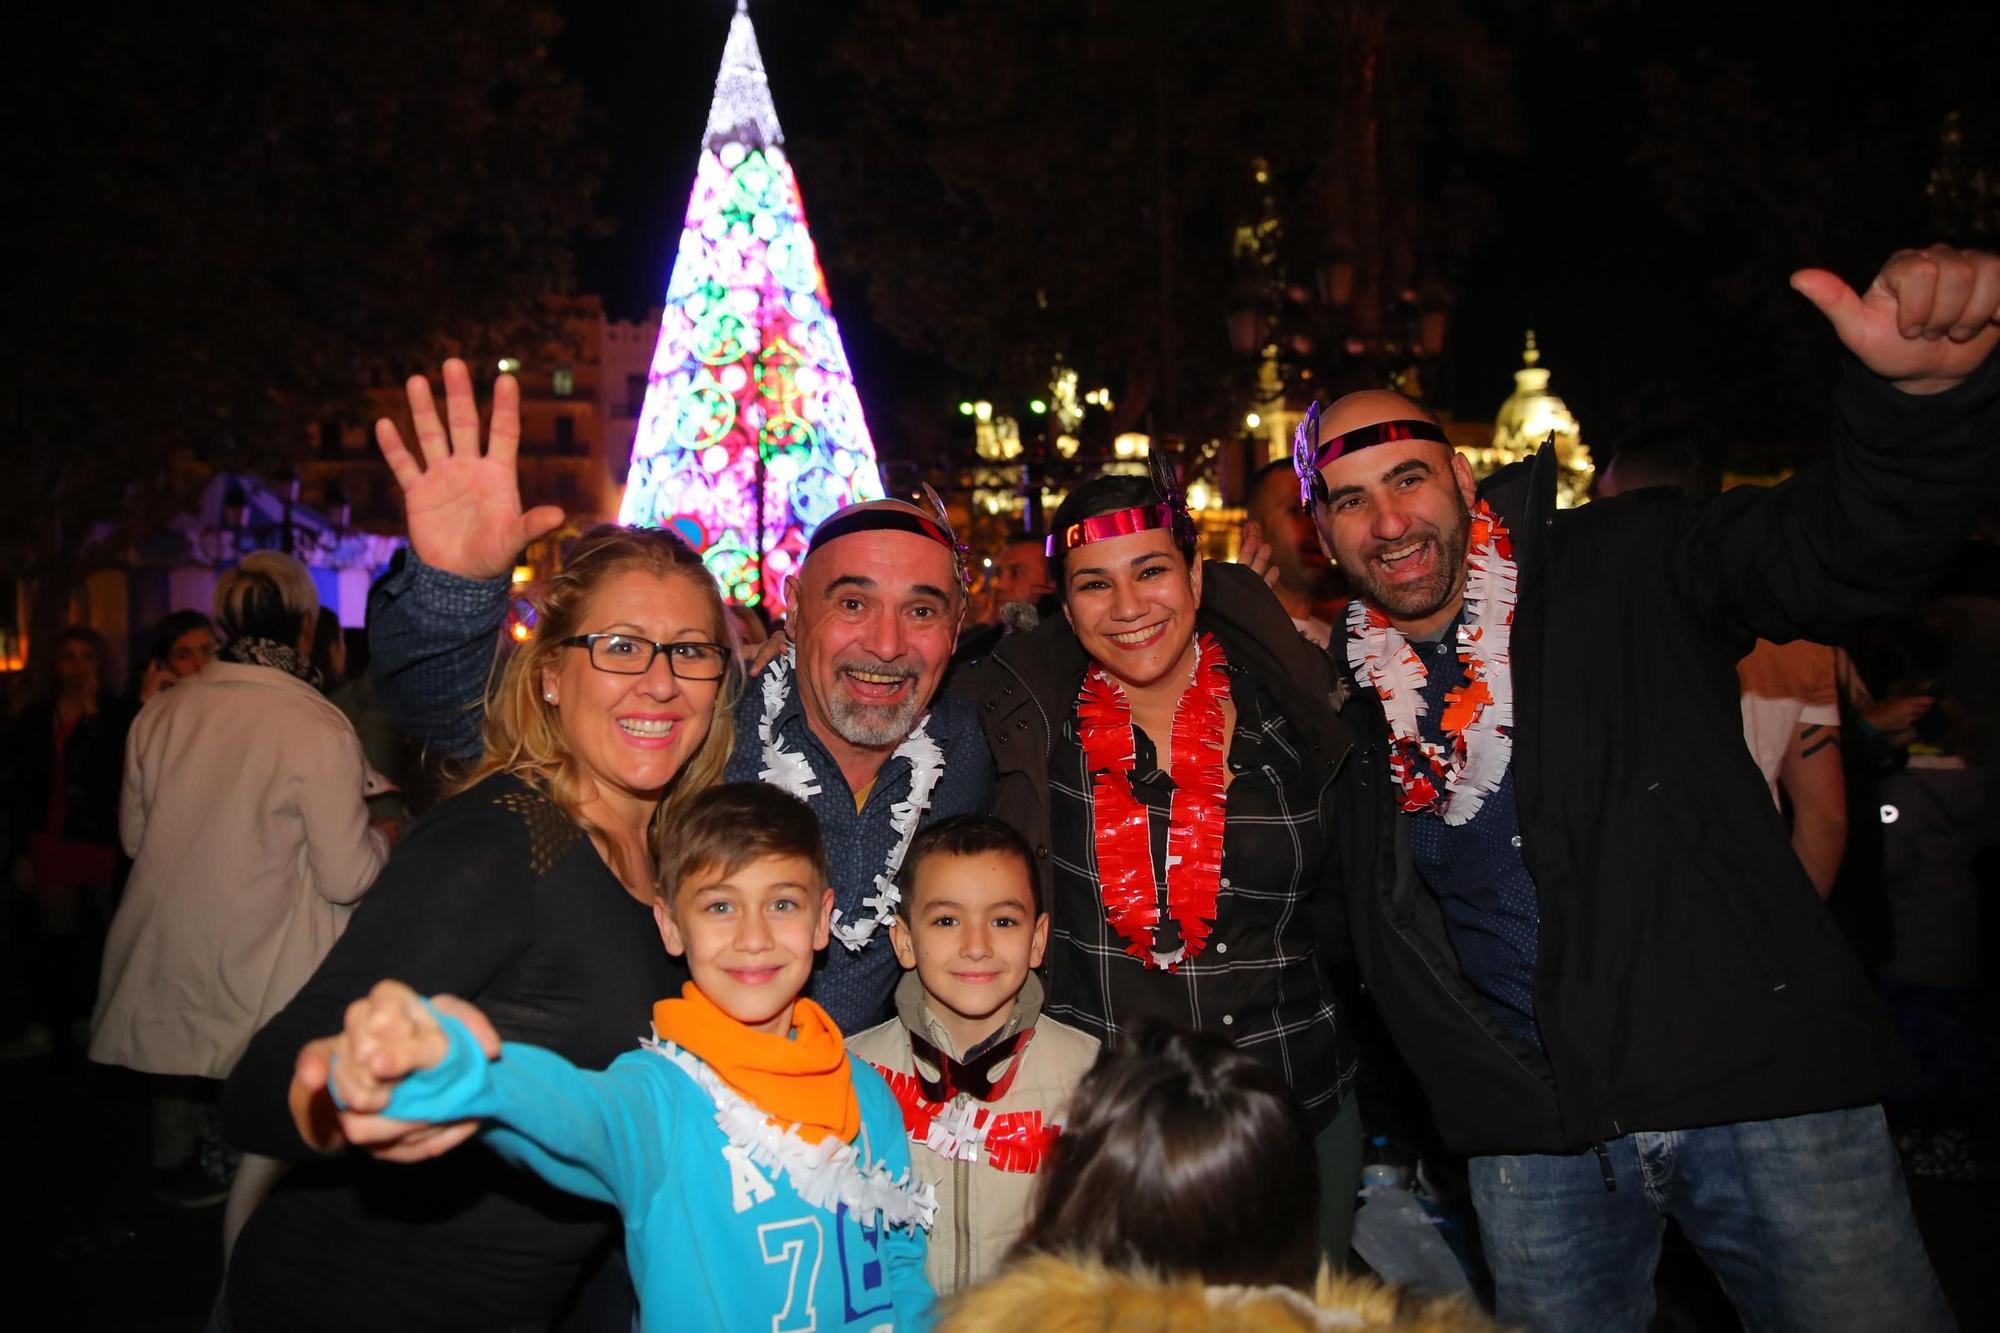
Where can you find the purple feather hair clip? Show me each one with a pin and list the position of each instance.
(1305, 457)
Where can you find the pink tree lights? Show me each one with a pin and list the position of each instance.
(751, 432)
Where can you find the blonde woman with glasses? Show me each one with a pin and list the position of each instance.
(529, 893)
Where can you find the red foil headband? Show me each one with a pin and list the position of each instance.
(1383, 432)
(1117, 523)
(886, 519)
(1309, 456)
(880, 520)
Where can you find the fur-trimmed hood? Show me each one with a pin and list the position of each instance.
(1052, 1294)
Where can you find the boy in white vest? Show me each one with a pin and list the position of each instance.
(981, 1076)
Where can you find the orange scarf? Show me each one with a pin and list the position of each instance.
(802, 1080)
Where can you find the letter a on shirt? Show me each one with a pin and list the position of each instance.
(747, 1186)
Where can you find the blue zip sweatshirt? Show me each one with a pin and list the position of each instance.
(714, 1240)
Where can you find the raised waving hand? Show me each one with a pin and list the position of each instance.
(464, 505)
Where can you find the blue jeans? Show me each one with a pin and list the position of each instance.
(1804, 1221)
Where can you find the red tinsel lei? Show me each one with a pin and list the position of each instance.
(1017, 1141)
(1194, 834)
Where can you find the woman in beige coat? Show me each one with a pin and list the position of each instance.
(242, 811)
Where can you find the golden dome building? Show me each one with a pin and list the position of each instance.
(1526, 421)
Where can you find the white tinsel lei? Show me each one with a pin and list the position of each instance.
(826, 1174)
(793, 772)
(1382, 658)
(958, 1131)
(1485, 635)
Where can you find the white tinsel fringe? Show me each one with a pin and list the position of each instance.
(1382, 658)
(958, 1132)
(926, 767)
(782, 769)
(793, 773)
(1486, 635)
(826, 1174)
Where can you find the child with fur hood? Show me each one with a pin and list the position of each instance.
(1182, 1197)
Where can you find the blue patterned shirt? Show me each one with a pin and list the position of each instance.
(856, 986)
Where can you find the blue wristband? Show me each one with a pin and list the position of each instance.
(423, 1090)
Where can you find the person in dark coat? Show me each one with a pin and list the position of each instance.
(67, 752)
(1577, 910)
(1158, 637)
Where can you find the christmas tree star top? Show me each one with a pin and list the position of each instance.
(742, 111)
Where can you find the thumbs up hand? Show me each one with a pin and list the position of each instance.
(1926, 322)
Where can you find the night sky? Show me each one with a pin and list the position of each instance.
(648, 72)
(1580, 250)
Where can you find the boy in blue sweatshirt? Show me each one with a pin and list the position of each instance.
(764, 1177)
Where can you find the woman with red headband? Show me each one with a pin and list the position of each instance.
(1168, 748)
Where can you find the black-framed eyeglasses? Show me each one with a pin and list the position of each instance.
(630, 655)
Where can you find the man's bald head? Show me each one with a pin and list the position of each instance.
(1347, 426)
(1369, 407)
(840, 517)
(1367, 419)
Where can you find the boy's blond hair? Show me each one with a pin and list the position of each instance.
(723, 829)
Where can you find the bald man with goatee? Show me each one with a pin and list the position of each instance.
(1568, 893)
(849, 719)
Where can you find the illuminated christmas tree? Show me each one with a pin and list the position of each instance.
(751, 432)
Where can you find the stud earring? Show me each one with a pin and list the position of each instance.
(550, 697)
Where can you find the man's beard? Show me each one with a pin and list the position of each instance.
(1414, 601)
(876, 725)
